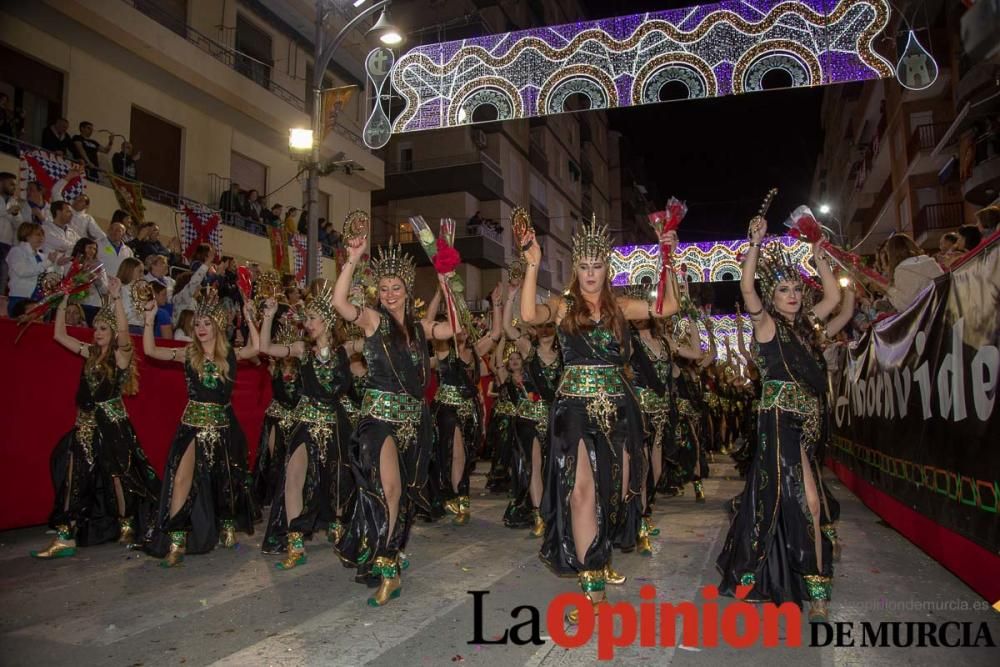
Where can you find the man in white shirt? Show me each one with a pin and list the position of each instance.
(112, 251)
(82, 222)
(12, 213)
(59, 234)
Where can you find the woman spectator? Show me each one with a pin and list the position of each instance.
(908, 268)
(26, 264)
(129, 272)
(253, 208)
(85, 252)
(75, 316)
(185, 326)
(162, 325)
(969, 238)
(291, 226)
(157, 269)
(185, 289)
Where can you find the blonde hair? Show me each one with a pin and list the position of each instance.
(196, 355)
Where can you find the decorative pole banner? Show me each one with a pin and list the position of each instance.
(708, 50)
(129, 196)
(279, 249)
(334, 99)
(300, 253)
(46, 168)
(200, 224)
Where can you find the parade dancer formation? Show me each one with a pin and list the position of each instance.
(602, 405)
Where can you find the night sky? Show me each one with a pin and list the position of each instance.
(722, 155)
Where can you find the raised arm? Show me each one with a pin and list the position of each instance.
(520, 340)
(763, 325)
(252, 348)
(296, 349)
(529, 288)
(438, 330)
(499, 370)
(72, 344)
(362, 316)
(740, 339)
(433, 306)
(149, 347)
(685, 348)
(639, 309)
(495, 334)
(831, 289)
(840, 320)
(123, 355)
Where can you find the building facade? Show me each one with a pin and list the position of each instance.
(556, 167)
(890, 156)
(206, 90)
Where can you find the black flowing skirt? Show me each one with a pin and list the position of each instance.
(771, 542)
(269, 469)
(520, 512)
(220, 490)
(569, 424)
(113, 453)
(500, 434)
(366, 534)
(447, 418)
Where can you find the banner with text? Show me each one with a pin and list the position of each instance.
(914, 403)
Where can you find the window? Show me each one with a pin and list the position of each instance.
(324, 205)
(171, 14)
(253, 52)
(156, 137)
(32, 87)
(405, 158)
(250, 174)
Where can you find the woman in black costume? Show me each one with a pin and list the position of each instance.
(775, 544)
(206, 494)
(595, 427)
(505, 388)
(456, 413)
(317, 483)
(393, 440)
(542, 372)
(105, 487)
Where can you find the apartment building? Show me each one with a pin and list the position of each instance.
(207, 91)
(557, 167)
(890, 158)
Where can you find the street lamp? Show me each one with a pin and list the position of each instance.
(824, 209)
(300, 140)
(322, 54)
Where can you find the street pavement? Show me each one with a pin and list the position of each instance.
(110, 606)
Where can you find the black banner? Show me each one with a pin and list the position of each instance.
(914, 403)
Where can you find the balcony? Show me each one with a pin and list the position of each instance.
(476, 173)
(938, 218)
(983, 183)
(484, 250)
(536, 155)
(920, 148)
(540, 218)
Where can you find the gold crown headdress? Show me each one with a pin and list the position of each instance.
(208, 305)
(107, 314)
(321, 303)
(592, 241)
(392, 262)
(287, 329)
(775, 266)
(641, 292)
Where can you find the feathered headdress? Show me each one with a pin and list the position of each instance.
(775, 266)
(321, 303)
(592, 241)
(392, 262)
(208, 305)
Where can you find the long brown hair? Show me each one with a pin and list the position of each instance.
(578, 313)
(196, 355)
(101, 362)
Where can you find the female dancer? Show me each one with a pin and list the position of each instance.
(278, 418)
(205, 491)
(686, 459)
(456, 414)
(392, 442)
(505, 389)
(537, 391)
(105, 487)
(775, 543)
(317, 479)
(595, 426)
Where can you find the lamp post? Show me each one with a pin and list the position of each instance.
(826, 211)
(322, 54)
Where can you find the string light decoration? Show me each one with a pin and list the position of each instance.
(712, 50)
(697, 262)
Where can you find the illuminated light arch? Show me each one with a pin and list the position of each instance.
(696, 75)
(833, 40)
(584, 79)
(725, 266)
(786, 55)
(486, 90)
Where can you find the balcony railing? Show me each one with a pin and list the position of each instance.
(257, 71)
(939, 216)
(926, 137)
(401, 166)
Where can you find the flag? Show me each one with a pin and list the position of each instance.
(334, 99)
(200, 224)
(46, 168)
(129, 196)
(279, 249)
(299, 253)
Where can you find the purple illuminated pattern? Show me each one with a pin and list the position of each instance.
(707, 50)
(701, 262)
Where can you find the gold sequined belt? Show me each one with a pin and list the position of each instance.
(686, 408)
(400, 409)
(711, 400)
(649, 401)
(591, 381)
(278, 410)
(789, 397)
(449, 394)
(505, 408)
(534, 410)
(311, 411)
(206, 415)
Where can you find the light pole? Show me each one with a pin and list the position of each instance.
(322, 54)
(826, 211)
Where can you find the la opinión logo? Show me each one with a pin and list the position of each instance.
(739, 625)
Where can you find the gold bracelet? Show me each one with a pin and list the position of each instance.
(173, 354)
